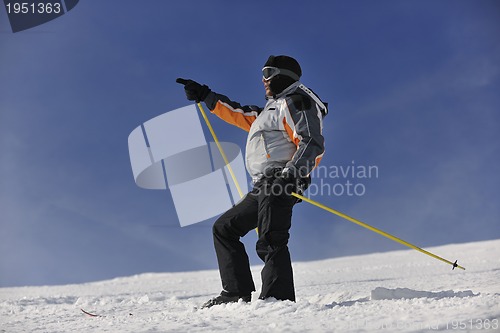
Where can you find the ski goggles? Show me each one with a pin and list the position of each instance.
(269, 72)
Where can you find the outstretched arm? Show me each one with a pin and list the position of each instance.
(229, 111)
(232, 112)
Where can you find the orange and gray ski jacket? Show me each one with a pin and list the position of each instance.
(287, 132)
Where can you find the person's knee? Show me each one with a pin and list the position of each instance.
(261, 248)
(224, 228)
(219, 227)
(277, 239)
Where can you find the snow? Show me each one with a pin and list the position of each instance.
(401, 291)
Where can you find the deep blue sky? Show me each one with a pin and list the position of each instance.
(413, 88)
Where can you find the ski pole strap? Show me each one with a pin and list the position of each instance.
(378, 231)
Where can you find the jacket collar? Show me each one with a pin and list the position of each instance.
(285, 92)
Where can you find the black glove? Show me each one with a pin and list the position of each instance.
(292, 182)
(194, 90)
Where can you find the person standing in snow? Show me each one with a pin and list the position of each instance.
(284, 144)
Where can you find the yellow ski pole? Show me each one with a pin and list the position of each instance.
(378, 231)
(226, 161)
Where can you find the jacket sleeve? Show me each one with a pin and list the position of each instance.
(304, 124)
(232, 112)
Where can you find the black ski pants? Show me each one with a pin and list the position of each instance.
(269, 209)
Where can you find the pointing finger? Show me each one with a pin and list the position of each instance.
(182, 81)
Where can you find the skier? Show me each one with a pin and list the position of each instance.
(284, 145)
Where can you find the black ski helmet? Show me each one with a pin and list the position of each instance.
(281, 81)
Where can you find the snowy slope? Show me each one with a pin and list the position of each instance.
(395, 291)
